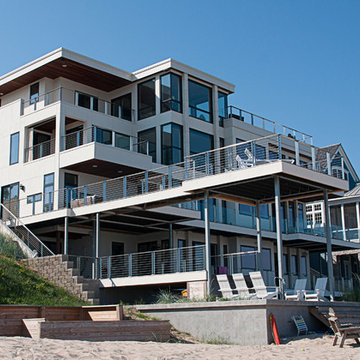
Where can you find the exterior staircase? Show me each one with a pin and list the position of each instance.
(60, 271)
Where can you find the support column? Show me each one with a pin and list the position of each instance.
(279, 243)
(207, 242)
(259, 265)
(357, 205)
(171, 236)
(328, 246)
(342, 221)
(97, 242)
(66, 235)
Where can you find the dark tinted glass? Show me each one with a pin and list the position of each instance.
(200, 105)
(146, 99)
(121, 107)
(171, 144)
(147, 142)
(200, 142)
(266, 259)
(103, 136)
(248, 261)
(171, 93)
(122, 141)
(14, 148)
(223, 104)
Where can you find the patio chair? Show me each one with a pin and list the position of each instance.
(260, 287)
(319, 293)
(224, 287)
(241, 286)
(298, 292)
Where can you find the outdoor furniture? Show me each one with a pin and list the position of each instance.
(319, 293)
(224, 287)
(343, 331)
(298, 292)
(241, 286)
(260, 288)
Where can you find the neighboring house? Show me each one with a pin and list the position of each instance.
(88, 152)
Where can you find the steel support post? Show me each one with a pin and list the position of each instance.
(279, 243)
(207, 242)
(328, 246)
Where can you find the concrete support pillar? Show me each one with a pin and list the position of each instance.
(97, 235)
(328, 246)
(207, 242)
(343, 221)
(279, 243)
(259, 265)
(66, 235)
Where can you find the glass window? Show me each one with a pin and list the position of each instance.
(34, 93)
(223, 107)
(285, 263)
(84, 100)
(14, 148)
(122, 141)
(147, 143)
(294, 262)
(200, 105)
(146, 99)
(170, 92)
(248, 261)
(303, 267)
(33, 198)
(121, 107)
(200, 142)
(245, 209)
(10, 197)
(264, 211)
(171, 144)
(266, 259)
(48, 192)
(103, 136)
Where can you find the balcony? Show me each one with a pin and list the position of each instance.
(39, 151)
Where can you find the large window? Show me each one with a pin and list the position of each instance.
(122, 141)
(14, 148)
(147, 143)
(34, 93)
(266, 259)
(200, 142)
(294, 264)
(48, 192)
(171, 92)
(248, 261)
(171, 144)
(121, 107)
(103, 136)
(146, 99)
(10, 197)
(70, 184)
(223, 107)
(87, 101)
(303, 267)
(200, 105)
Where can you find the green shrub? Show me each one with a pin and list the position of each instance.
(10, 248)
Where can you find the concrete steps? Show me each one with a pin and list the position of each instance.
(59, 270)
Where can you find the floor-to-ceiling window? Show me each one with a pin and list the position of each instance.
(200, 142)
(146, 99)
(223, 107)
(170, 92)
(171, 144)
(14, 148)
(200, 101)
(121, 107)
(48, 192)
(147, 142)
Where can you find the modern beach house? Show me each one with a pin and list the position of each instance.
(149, 179)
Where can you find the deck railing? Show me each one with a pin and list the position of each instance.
(158, 262)
(41, 150)
(266, 124)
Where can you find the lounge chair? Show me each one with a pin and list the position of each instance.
(319, 292)
(224, 287)
(298, 292)
(241, 287)
(260, 287)
(343, 331)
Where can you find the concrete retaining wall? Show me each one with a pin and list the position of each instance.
(240, 322)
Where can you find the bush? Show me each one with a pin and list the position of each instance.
(10, 248)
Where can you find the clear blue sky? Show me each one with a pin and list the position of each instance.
(293, 61)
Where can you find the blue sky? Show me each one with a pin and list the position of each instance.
(295, 62)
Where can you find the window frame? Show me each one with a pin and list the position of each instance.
(195, 108)
(11, 161)
(171, 100)
(45, 186)
(153, 113)
(172, 147)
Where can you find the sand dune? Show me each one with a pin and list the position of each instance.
(319, 348)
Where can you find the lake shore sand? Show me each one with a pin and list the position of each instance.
(313, 347)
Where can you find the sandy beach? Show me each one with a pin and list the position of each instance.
(299, 348)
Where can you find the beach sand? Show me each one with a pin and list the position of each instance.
(317, 347)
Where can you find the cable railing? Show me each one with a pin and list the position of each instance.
(41, 150)
(23, 233)
(158, 262)
(106, 137)
(269, 125)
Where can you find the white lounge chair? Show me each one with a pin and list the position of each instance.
(260, 287)
(319, 293)
(241, 286)
(298, 292)
(224, 287)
